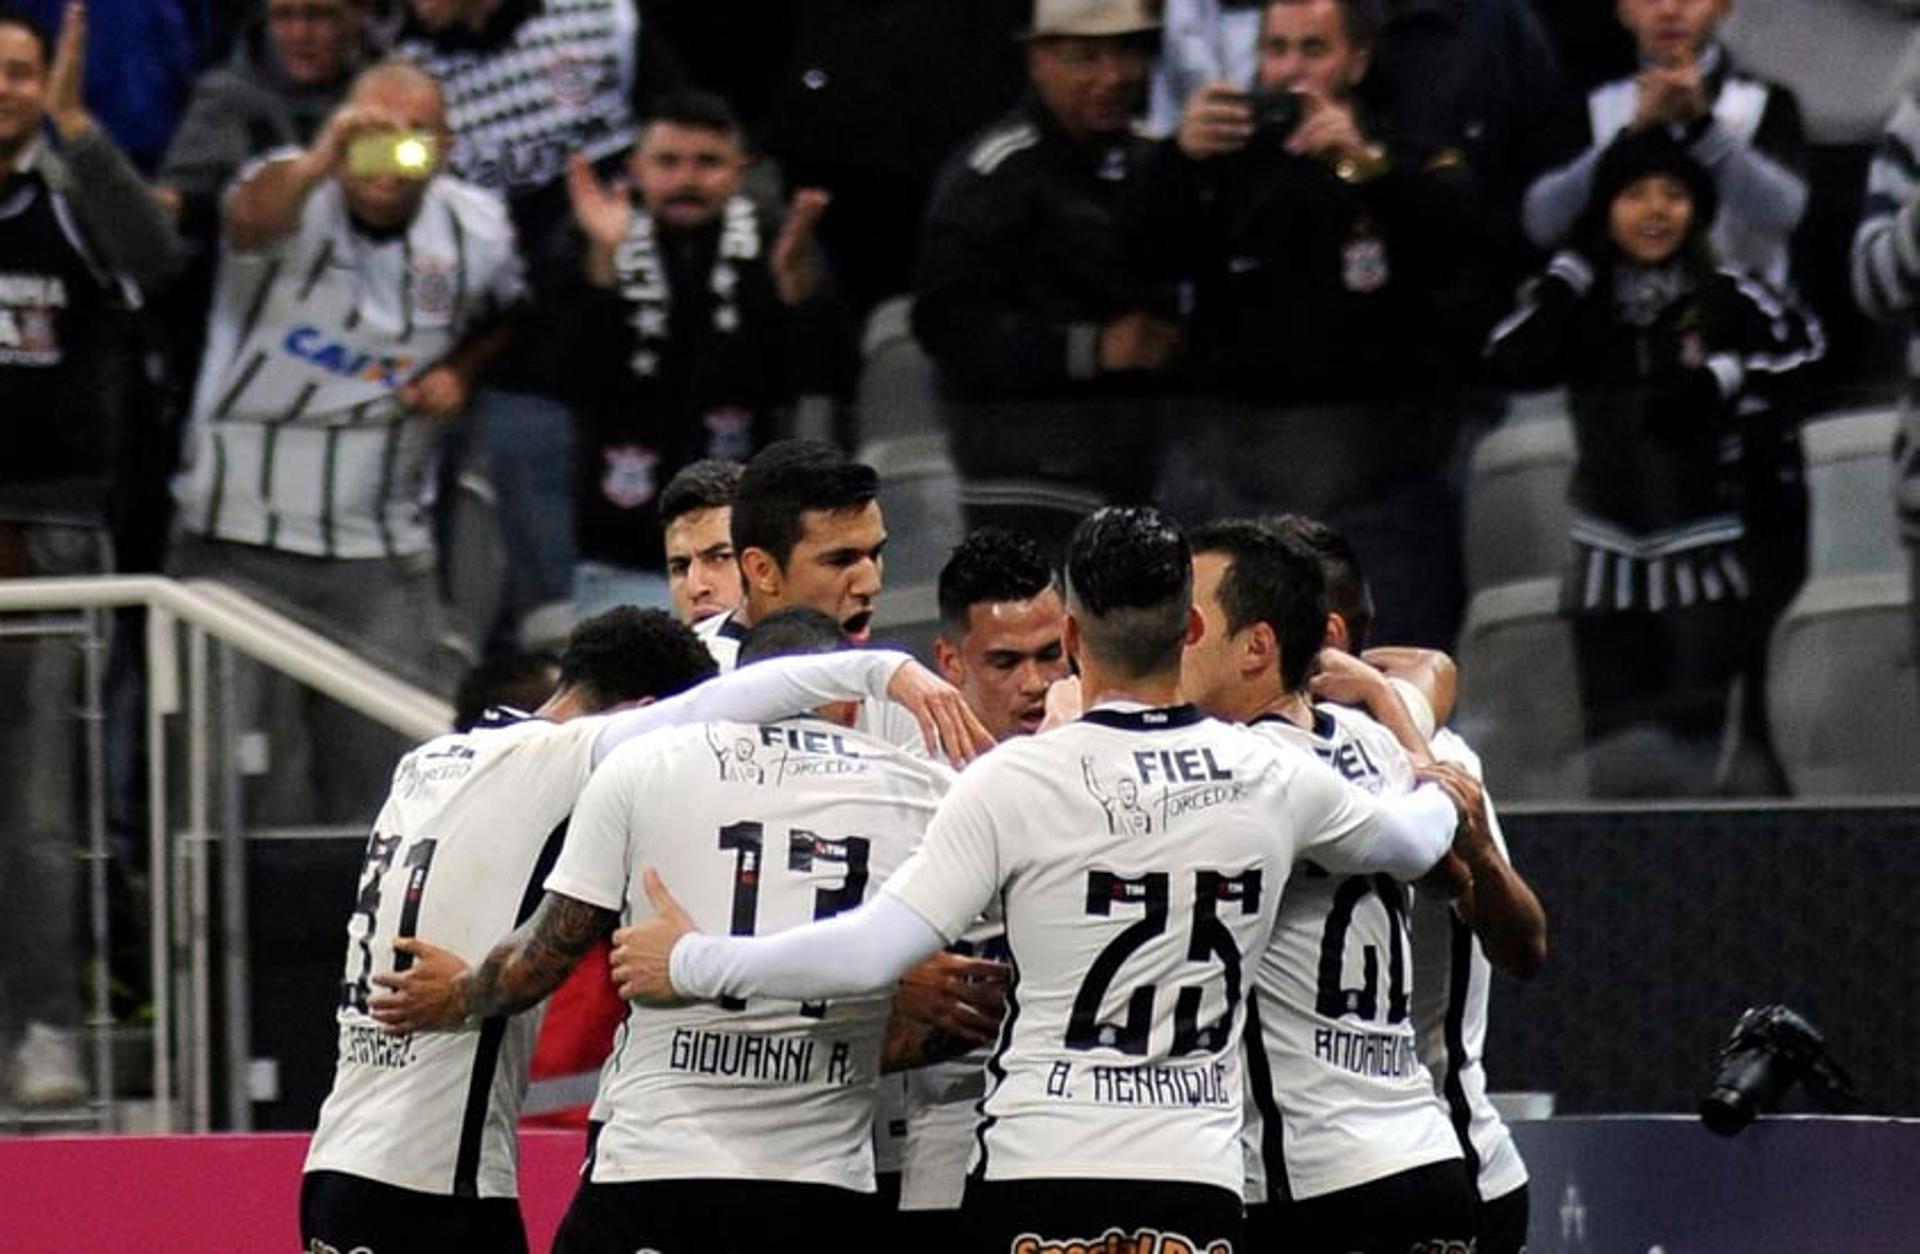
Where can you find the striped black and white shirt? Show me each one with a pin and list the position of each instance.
(298, 441)
(1886, 277)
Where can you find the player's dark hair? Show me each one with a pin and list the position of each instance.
(1130, 585)
(785, 480)
(1271, 579)
(700, 110)
(706, 484)
(991, 564)
(10, 16)
(629, 653)
(519, 681)
(1347, 591)
(1360, 19)
(791, 630)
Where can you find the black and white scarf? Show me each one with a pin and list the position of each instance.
(641, 275)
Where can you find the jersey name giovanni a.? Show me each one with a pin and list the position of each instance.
(1339, 1095)
(755, 829)
(1450, 978)
(457, 856)
(1138, 856)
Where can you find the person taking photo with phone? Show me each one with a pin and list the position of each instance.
(361, 293)
(1329, 264)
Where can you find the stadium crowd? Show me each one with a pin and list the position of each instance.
(1218, 299)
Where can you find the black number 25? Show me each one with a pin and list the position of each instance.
(1208, 938)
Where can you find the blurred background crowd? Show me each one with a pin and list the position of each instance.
(1585, 321)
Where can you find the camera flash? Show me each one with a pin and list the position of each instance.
(410, 154)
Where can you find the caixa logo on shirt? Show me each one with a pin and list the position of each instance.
(311, 345)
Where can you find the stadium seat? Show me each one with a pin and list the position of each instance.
(1841, 688)
(920, 496)
(908, 617)
(1516, 524)
(476, 568)
(897, 394)
(1851, 528)
(1519, 691)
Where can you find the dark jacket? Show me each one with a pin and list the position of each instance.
(1308, 288)
(1021, 262)
(703, 391)
(1674, 375)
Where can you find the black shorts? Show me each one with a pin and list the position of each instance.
(1047, 1216)
(1502, 1223)
(1429, 1210)
(716, 1217)
(339, 1212)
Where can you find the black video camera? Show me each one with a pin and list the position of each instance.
(1771, 1048)
(1277, 114)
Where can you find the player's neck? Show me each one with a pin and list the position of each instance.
(1291, 706)
(1097, 687)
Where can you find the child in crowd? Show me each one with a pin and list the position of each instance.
(1689, 513)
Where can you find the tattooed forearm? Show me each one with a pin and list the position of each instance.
(533, 961)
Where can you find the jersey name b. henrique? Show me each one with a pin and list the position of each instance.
(1339, 1095)
(457, 856)
(1138, 856)
(755, 829)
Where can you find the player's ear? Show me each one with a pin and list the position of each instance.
(1196, 626)
(762, 572)
(946, 660)
(1337, 636)
(1260, 648)
(1070, 640)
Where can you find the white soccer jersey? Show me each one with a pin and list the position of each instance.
(298, 441)
(943, 1104)
(723, 635)
(457, 856)
(1137, 856)
(1450, 980)
(755, 829)
(1338, 1094)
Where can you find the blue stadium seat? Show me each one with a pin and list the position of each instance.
(897, 394)
(1851, 527)
(920, 496)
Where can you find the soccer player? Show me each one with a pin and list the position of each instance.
(1115, 1104)
(696, 519)
(415, 1148)
(1349, 1143)
(808, 531)
(758, 1112)
(1000, 644)
(1501, 924)
(1000, 627)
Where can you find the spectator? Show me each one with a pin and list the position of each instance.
(285, 78)
(1688, 513)
(699, 319)
(1476, 78)
(1330, 265)
(354, 314)
(1746, 133)
(529, 83)
(77, 228)
(1886, 283)
(696, 519)
(141, 59)
(1021, 295)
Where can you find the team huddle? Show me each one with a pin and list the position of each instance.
(1186, 950)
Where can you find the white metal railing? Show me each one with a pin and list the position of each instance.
(213, 623)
